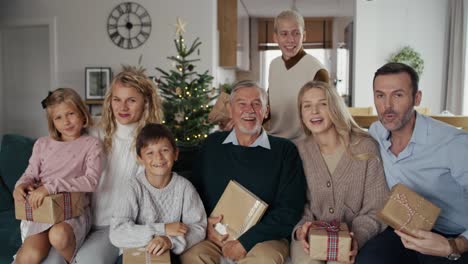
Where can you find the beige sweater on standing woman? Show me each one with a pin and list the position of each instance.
(354, 193)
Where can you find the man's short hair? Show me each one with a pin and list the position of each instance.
(152, 133)
(250, 84)
(395, 68)
(292, 15)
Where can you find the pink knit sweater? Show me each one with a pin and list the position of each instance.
(73, 166)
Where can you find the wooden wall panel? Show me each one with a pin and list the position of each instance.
(227, 27)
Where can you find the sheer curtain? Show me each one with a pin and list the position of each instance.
(455, 82)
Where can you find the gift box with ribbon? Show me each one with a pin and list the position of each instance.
(405, 210)
(140, 256)
(54, 209)
(329, 241)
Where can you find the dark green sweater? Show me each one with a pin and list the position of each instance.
(276, 176)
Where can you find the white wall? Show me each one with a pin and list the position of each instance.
(82, 38)
(465, 94)
(384, 26)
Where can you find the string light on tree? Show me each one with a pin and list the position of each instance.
(186, 100)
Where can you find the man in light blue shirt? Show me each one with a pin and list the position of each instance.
(429, 157)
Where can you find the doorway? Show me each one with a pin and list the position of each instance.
(26, 78)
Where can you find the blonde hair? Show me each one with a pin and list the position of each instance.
(152, 113)
(292, 15)
(342, 120)
(68, 96)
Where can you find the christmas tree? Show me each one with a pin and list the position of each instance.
(186, 94)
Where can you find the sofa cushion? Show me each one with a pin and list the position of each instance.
(6, 197)
(14, 157)
(10, 236)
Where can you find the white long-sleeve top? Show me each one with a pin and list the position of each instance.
(142, 211)
(120, 165)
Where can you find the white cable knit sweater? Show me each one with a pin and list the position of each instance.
(119, 167)
(141, 212)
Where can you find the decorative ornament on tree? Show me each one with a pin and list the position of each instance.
(180, 27)
(185, 93)
(179, 117)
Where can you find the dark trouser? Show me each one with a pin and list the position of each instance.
(387, 248)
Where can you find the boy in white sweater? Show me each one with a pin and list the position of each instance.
(158, 209)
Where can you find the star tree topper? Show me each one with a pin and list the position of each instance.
(180, 26)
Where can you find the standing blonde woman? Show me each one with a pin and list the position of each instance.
(345, 177)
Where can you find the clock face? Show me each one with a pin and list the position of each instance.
(129, 25)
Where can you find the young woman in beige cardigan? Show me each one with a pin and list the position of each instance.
(345, 177)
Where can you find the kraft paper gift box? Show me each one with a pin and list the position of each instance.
(219, 113)
(406, 211)
(140, 256)
(54, 209)
(240, 208)
(329, 241)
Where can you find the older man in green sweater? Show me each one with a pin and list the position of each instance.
(268, 166)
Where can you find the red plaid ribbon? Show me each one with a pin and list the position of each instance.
(28, 208)
(67, 207)
(332, 229)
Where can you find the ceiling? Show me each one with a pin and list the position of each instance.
(308, 8)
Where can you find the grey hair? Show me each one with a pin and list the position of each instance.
(290, 14)
(250, 84)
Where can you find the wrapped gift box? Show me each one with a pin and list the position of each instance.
(240, 208)
(329, 241)
(219, 113)
(54, 209)
(140, 256)
(406, 211)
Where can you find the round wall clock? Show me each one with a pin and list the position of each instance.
(129, 25)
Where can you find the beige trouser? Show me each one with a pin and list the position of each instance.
(299, 256)
(268, 252)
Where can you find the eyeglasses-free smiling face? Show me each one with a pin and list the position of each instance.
(67, 120)
(158, 157)
(247, 111)
(127, 104)
(289, 37)
(394, 100)
(315, 111)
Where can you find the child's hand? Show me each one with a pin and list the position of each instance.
(159, 245)
(37, 196)
(20, 192)
(176, 229)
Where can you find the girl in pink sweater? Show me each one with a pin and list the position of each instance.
(66, 161)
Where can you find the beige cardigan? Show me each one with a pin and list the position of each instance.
(354, 193)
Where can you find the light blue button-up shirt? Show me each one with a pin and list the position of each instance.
(261, 141)
(433, 164)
